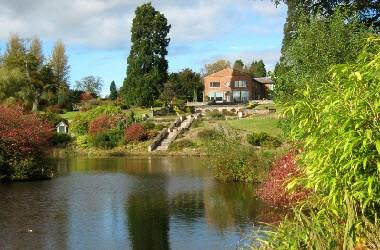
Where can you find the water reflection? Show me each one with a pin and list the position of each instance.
(127, 203)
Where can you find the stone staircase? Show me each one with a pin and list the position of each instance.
(173, 131)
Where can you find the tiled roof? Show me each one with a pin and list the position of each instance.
(228, 72)
(264, 80)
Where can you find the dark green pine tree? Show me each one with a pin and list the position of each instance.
(260, 69)
(113, 91)
(147, 65)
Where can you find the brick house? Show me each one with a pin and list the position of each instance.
(229, 85)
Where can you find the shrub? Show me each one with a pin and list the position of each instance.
(148, 125)
(79, 125)
(151, 134)
(232, 161)
(181, 144)
(135, 132)
(102, 124)
(105, 140)
(82, 141)
(263, 139)
(24, 140)
(60, 139)
(273, 191)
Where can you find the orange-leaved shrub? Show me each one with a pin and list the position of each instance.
(102, 124)
(135, 132)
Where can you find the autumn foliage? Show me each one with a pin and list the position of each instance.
(86, 96)
(101, 124)
(135, 132)
(24, 137)
(274, 190)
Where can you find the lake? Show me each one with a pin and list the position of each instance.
(129, 203)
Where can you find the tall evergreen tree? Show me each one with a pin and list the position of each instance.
(113, 91)
(260, 69)
(147, 64)
(239, 65)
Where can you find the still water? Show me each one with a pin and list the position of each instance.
(129, 203)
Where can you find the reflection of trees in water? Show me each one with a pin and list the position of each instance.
(148, 217)
(187, 206)
(232, 204)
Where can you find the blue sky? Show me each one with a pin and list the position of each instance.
(97, 32)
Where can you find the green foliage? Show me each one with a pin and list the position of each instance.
(263, 139)
(238, 65)
(184, 85)
(147, 65)
(338, 122)
(106, 140)
(113, 91)
(368, 10)
(257, 69)
(233, 161)
(318, 44)
(60, 139)
(79, 125)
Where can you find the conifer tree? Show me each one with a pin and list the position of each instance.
(113, 91)
(147, 64)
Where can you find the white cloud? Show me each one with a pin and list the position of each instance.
(107, 23)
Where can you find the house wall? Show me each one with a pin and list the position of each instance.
(223, 88)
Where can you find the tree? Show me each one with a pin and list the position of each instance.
(34, 67)
(239, 65)
(368, 10)
(113, 91)
(90, 84)
(15, 54)
(147, 64)
(61, 71)
(216, 66)
(257, 69)
(184, 84)
(320, 43)
(260, 70)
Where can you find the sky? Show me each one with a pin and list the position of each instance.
(97, 32)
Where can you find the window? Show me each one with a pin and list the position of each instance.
(241, 84)
(240, 96)
(215, 96)
(214, 84)
(228, 84)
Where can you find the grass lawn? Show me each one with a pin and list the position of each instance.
(70, 115)
(258, 124)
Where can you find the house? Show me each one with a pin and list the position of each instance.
(233, 86)
(62, 128)
(263, 88)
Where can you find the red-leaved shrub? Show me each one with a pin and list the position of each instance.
(101, 124)
(23, 133)
(135, 132)
(86, 96)
(273, 191)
